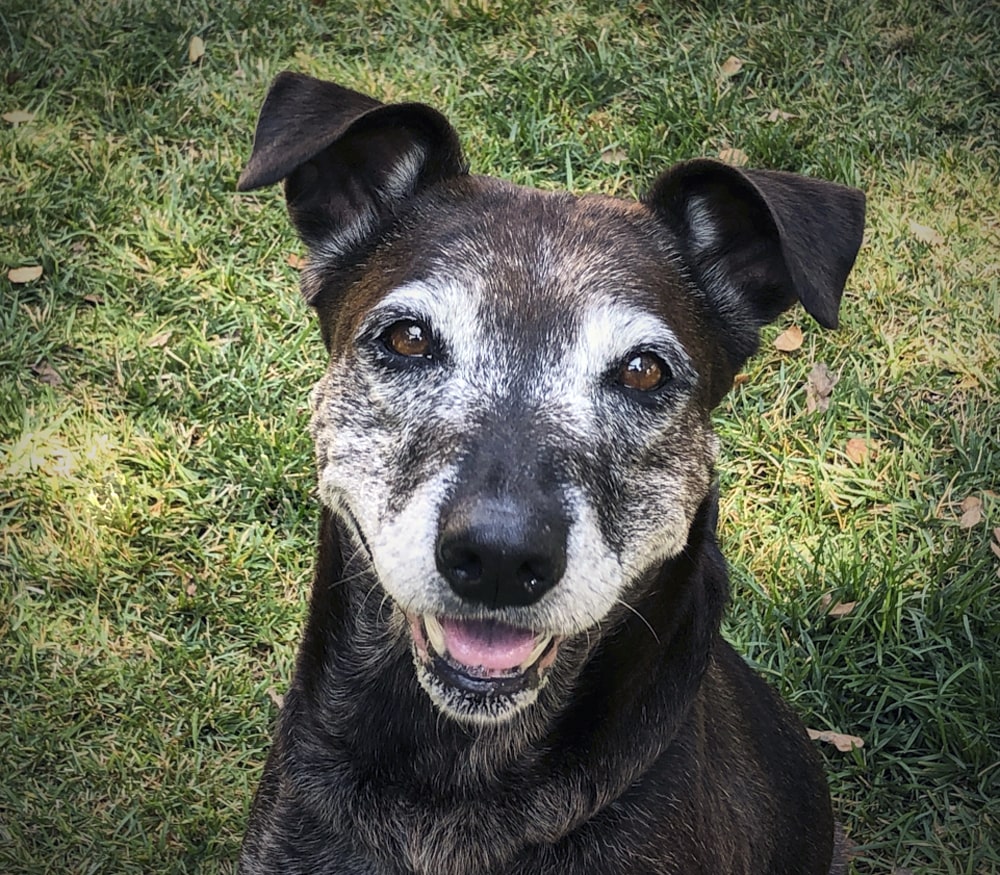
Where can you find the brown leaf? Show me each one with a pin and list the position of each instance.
(191, 589)
(47, 374)
(730, 67)
(276, 697)
(790, 339)
(776, 115)
(93, 300)
(925, 234)
(740, 379)
(160, 340)
(972, 512)
(296, 262)
(18, 116)
(734, 157)
(21, 275)
(995, 547)
(819, 388)
(857, 450)
(841, 609)
(196, 49)
(843, 743)
(613, 155)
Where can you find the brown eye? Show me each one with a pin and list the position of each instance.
(411, 339)
(643, 372)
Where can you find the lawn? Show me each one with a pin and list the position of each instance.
(157, 507)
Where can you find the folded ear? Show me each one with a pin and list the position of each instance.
(757, 241)
(348, 161)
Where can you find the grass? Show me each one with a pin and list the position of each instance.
(156, 491)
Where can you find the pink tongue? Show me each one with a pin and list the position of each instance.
(487, 644)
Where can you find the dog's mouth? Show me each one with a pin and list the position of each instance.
(481, 657)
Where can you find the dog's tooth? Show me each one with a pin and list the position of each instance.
(435, 634)
(536, 652)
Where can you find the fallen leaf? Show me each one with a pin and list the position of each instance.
(47, 374)
(730, 67)
(841, 609)
(995, 547)
(972, 512)
(159, 340)
(843, 743)
(191, 589)
(18, 116)
(857, 450)
(776, 115)
(276, 697)
(93, 300)
(819, 388)
(740, 379)
(24, 274)
(734, 157)
(196, 49)
(790, 339)
(296, 262)
(613, 155)
(925, 234)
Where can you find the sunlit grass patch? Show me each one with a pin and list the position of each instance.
(157, 508)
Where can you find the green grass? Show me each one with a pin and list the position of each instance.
(156, 486)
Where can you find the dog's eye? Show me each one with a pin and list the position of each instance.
(408, 338)
(644, 372)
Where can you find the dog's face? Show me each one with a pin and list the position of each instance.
(514, 423)
(514, 391)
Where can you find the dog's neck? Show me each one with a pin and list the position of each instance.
(385, 740)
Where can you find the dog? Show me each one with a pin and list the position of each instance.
(512, 660)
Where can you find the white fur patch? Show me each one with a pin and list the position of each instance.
(403, 548)
(702, 224)
(609, 331)
(402, 176)
(449, 307)
(342, 240)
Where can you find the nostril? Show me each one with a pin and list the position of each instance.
(533, 576)
(466, 566)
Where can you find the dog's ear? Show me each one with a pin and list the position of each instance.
(757, 241)
(348, 161)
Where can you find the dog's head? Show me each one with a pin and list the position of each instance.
(515, 421)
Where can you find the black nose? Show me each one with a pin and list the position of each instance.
(501, 552)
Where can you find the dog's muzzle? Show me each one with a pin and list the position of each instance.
(496, 553)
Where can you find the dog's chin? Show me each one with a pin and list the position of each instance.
(480, 670)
